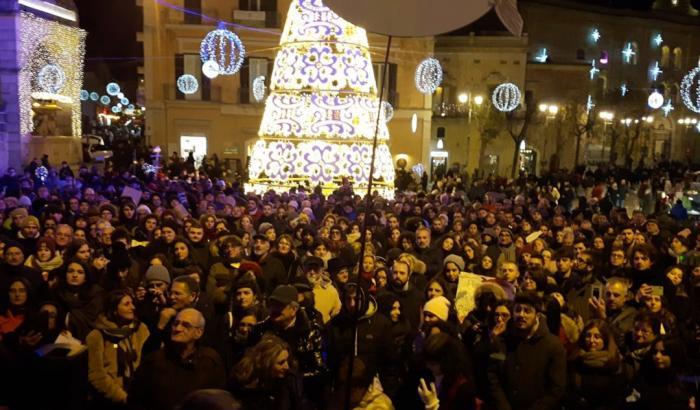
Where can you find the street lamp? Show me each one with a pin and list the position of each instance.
(463, 98)
(479, 99)
(553, 109)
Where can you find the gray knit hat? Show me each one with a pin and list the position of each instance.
(158, 272)
(457, 260)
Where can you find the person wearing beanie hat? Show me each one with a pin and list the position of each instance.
(456, 260)
(268, 230)
(28, 234)
(437, 308)
(157, 273)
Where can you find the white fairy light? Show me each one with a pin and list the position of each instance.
(187, 84)
(667, 108)
(623, 89)
(388, 111)
(210, 68)
(259, 88)
(628, 53)
(224, 48)
(506, 97)
(542, 56)
(595, 35)
(590, 104)
(428, 75)
(655, 100)
(658, 40)
(654, 71)
(690, 90)
(594, 70)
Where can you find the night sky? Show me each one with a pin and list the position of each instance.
(112, 51)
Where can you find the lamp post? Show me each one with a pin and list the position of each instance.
(549, 111)
(607, 118)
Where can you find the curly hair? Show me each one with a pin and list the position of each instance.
(255, 368)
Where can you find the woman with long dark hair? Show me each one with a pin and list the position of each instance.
(114, 350)
(78, 295)
(445, 358)
(595, 380)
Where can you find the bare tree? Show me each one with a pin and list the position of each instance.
(517, 124)
(490, 127)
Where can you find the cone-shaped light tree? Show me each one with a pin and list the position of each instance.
(321, 113)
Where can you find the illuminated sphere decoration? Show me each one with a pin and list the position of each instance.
(124, 101)
(84, 95)
(259, 88)
(187, 84)
(41, 173)
(655, 100)
(116, 109)
(120, 95)
(51, 78)
(224, 48)
(211, 69)
(388, 111)
(428, 75)
(105, 100)
(690, 90)
(113, 89)
(506, 97)
(131, 107)
(94, 96)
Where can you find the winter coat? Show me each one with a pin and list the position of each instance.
(114, 354)
(528, 373)
(221, 278)
(164, 379)
(374, 399)
(83, 307)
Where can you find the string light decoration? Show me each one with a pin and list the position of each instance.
(187, 84)
(113, 89)
(105, 100)
(658, 40)
(590, 105)
(84, 95)
(690, 90)
(623, 89)
(654, 71)
(124, 101)
(655, 100)
(628, 52)
(116, 109)
(667, 108)
(388, 111)
(43, 42)
(594, 70)
(259, 88)
(94, 96)
(51, 78)
(542, 56)
(506, 97)
(428, 75)
(41, 173)
(595, 35)
(120, 95)
(224, 48)
(322, 109)
(210, 68)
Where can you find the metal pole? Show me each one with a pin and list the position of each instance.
(368, 205)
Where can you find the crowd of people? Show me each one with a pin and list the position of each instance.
(175, 289)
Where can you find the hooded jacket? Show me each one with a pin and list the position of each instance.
(114, 354)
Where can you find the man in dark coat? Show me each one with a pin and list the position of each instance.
(168, 375)
(411, 299)
(427, 253)
(528, 369)
(274, 273)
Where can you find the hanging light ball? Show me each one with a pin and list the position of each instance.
(655, 100)
(84, 95)
(113, 89)
(124, 101)
(210, 69)
(259, 88)
(388, 111)
(105, 100)
(428, 75)
(224, 48)
(51, 78)
(41, 173)
(116, 109)
(94, 96)
(506, 97)
(187, 84)
(690, 90)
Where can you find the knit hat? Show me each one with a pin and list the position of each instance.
(143, 208)
(284, 294)
(158, 272)
(30, 220)
(438, 306)
(19, 211)
(456, 259)
(264, 227)
(168, 223)
(250, 266)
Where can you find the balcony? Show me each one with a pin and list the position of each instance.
(255, 18)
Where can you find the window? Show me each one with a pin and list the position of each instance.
(192, 64)
(196, 7)
(258, 5)
(677, 58)
(251, 69)
(665, 56)
(580, 54)
(390, 91)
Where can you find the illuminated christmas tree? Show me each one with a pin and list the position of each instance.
(321, 113)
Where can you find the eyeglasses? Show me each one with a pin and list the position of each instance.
(185, 325)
